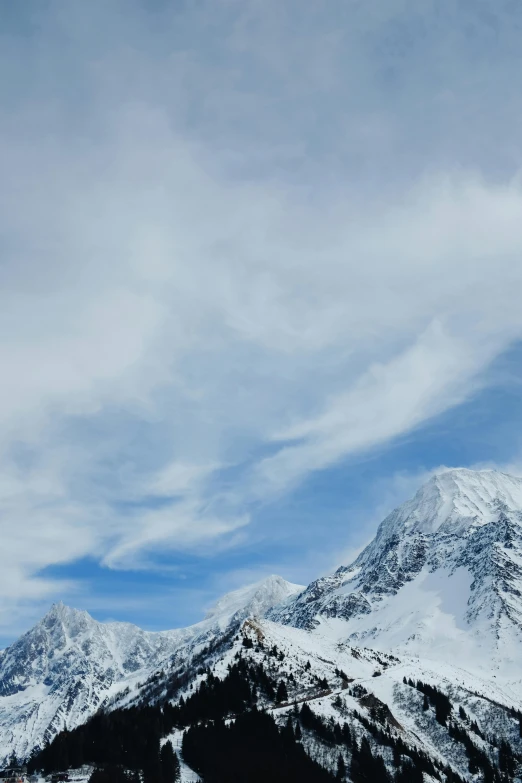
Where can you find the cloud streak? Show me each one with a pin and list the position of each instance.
(226, 248)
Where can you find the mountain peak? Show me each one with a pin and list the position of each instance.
(457, 498)
(487, 482)
(66, 615)
(460, 535)
(254, 599)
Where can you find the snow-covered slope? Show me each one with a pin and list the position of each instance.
(60, 672)
(376, 685)
(436, 596)
(67, 666)
(442, 578)
(254, 600)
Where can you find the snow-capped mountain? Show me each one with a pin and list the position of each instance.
(442, 577)
(253, 601)
(435, 598)
(62, 670)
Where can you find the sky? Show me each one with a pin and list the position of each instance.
(260, 276)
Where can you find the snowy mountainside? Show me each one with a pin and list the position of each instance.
(62, 670)
(352, 695)
(442, 577)
(254, 600)
(429, 614)
(366, 688)
(375, 690)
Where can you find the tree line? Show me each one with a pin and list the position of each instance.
(225, 732)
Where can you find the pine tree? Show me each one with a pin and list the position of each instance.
(287, 732)
(341, 768)
(409, 773)
(152, 766)
(442, 709)
(506, 762)
(169, 764)
(282, 693)
(425, 703)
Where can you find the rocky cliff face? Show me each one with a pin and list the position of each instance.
(437, 592)
(446, 563)
(62, 670)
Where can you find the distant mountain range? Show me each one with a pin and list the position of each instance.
(435, 598)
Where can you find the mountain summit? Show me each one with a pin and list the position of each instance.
(457, 499)
(442, 577)
(440, 583)
(69, 665)
(254, 600)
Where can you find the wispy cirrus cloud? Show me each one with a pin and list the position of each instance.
(238, 238)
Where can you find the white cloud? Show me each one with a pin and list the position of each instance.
(184, 526)
(388, 400)
(210, 252)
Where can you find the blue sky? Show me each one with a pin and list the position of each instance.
(260, 273)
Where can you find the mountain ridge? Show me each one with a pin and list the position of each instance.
(69, 664)
(442, 579)
(465, 526)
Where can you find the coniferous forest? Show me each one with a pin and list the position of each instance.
(228, 737)
(251, 749)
